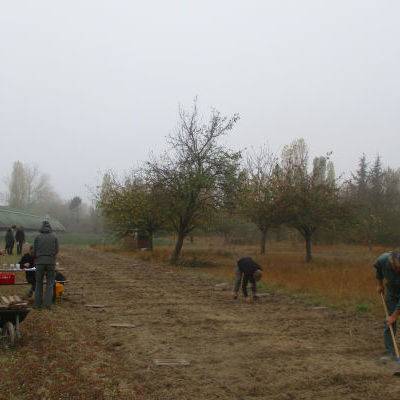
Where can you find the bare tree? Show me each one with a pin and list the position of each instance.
(260, 200)
(194, 176)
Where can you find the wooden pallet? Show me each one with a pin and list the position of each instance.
(12, 302)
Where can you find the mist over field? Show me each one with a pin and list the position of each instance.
(92, 86)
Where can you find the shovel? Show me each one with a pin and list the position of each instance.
(396, 349)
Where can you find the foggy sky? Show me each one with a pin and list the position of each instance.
(90, 85)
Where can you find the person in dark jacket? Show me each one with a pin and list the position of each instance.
(20, 239)
(247, 270)
(28, 261)
(9, 241)
(388, 268)
(45, 249)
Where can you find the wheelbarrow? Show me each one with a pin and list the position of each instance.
(10, 320)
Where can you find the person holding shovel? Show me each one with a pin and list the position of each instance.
(388, 268)
(247, 270)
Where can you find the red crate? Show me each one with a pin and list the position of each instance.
(7, 279)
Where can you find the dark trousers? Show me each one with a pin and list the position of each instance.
(50, 271)
(19, 247)
(31, 278)
(391, 301)
(9, 248)
(244, 278)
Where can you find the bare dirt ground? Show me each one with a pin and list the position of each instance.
(281, 348)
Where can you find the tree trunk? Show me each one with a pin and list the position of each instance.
(226, 238)
(263, 241)
(178, 248)
(151, 242)
(307, 237)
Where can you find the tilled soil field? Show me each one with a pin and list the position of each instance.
(280, 348)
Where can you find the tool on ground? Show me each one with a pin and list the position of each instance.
(396, 349)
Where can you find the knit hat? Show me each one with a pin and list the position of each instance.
(46, 224)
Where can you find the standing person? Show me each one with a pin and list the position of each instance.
(9, 241)
(45, 250)
(247, 270)
(28, 261)
(388, 268)
(20, 238)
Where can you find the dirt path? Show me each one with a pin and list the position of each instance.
(280, 348)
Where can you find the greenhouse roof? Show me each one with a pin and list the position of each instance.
(30, 222)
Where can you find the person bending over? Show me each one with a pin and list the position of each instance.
(247, 270)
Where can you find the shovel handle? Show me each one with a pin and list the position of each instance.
(396, 349)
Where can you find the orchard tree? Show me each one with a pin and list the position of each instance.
(312, 200)
(130, 206)
(260, 198)
(196, 174)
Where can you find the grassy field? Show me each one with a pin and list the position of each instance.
(338, 275)
(63, 355)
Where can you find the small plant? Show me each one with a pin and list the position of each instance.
(362, 308)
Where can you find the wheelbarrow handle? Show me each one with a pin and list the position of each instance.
(396, 349)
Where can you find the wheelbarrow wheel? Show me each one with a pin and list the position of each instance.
(8, 335)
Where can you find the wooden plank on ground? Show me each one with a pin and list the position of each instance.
(95, 305)
(171, 362)
(123, 325)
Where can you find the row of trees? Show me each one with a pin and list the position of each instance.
(199, 181)
(375, 192)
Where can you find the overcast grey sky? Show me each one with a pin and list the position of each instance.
(91, 85)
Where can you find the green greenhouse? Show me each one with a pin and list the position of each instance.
(29, 221)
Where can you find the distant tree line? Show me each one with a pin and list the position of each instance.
(30, 190)
(374, 193)
(200, 184)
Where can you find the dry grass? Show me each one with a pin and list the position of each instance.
(339, 275)
(51, 360)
